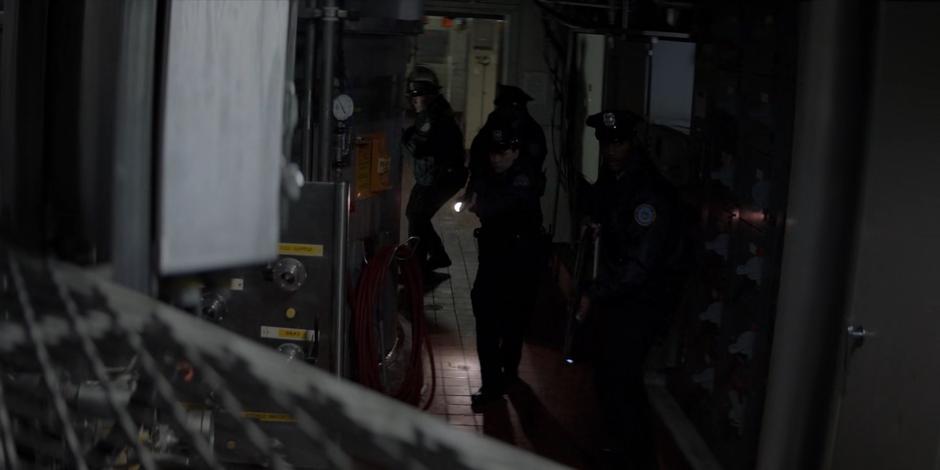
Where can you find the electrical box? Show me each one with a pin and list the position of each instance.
(373, 165)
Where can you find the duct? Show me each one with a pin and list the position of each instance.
(385, 17)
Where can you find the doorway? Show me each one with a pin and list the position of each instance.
(466, 54)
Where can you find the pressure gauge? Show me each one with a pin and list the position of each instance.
(343, 107)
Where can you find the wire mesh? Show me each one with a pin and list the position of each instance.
(95, 376)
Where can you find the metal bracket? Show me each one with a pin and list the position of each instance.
(325, 13)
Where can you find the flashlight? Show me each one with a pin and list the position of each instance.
(458, 206)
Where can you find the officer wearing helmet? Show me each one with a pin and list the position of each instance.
(635, 213)
(435, 143)
(506, 200)
(510, 103)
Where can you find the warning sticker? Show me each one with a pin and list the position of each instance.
(299, 249)
(268, 417)
(293, 334)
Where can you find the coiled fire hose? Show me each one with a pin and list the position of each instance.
(367, 360)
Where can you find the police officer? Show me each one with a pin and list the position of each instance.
(435, 142)
(510, 105)
(507, 202)
(635, 211)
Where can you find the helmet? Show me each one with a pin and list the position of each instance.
(422, 81)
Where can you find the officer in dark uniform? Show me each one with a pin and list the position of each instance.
(507, 202)
(510, 105)
(635, 212)
(435, 142)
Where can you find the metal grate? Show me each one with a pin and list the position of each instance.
(95, 376)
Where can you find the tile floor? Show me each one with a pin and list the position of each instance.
(553, 414)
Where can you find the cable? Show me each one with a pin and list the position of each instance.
(365, 300)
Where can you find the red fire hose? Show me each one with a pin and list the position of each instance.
(364, 330)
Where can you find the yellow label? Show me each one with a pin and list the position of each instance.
(268, 417)
(290, 333)
(295, 334)
(299, 249)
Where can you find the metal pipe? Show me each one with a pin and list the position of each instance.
(133, 148)
(832, 109)
(292, 19)
(330, 18)
(582, 4)
(309, 72)
(340, 230)
(625, 15)
(596, 261)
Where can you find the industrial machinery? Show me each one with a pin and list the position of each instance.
(286, 303)
(236, 160)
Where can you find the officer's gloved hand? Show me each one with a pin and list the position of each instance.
(590, 228)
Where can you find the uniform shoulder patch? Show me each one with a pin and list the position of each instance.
(522, 181)
(644, 214)
(425, 127)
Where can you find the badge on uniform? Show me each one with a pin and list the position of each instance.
(645, 215)
(610, 120)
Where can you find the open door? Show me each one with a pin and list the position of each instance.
(888, 407)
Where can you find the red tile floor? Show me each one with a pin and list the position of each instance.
(554, 413)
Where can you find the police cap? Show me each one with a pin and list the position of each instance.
(510, 95)
(614, 126)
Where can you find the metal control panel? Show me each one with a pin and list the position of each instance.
(287, 304)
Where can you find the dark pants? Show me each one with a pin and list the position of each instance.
(503, 297)
(622, 340)
(423, 203)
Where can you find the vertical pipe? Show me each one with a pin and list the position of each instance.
(831, 118)
(625, 14)
(340, 229)
(596, 261)
(133, 147)
(309, 72)
(293, 13)
(327, 53)
(506, 52)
